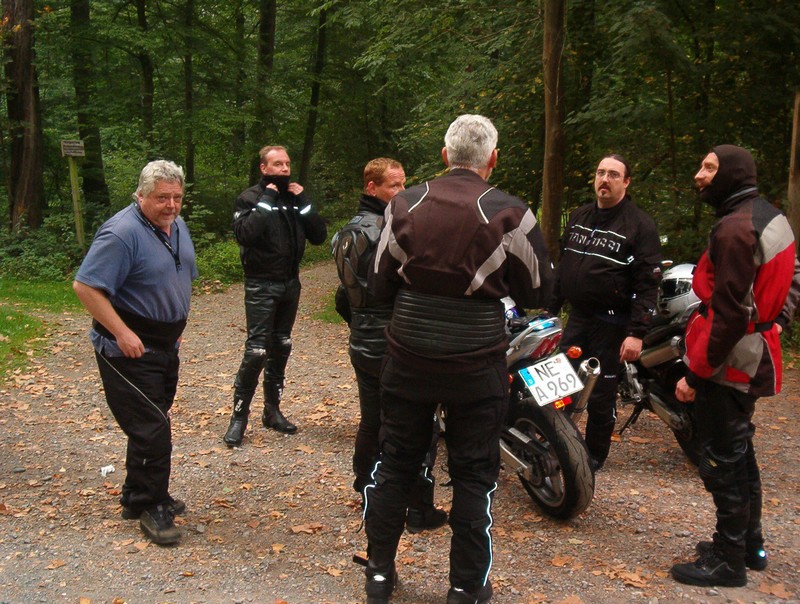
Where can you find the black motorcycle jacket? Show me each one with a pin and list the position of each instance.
(610, 265)
(353, 249)
(271, 229)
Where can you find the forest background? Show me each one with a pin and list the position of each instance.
(206, 83)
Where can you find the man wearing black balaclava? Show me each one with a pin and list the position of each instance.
(734, 357)
(271, 222)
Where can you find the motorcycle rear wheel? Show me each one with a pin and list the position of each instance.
(561, 482)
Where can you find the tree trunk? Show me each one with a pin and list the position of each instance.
(553, 170)
(262, 125)
(26, 173)
(95, 188)
(794, 173)
(188, 106)
(148, 85)
(239, 134)
(316, 76)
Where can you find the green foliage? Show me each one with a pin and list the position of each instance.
(52, 254)
(658, 81)
(219, 261)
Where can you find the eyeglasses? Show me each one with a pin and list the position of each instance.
(166, 198)
(611, 174)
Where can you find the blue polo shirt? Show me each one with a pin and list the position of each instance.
(129, 262)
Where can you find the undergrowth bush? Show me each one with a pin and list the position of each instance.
(49, 254)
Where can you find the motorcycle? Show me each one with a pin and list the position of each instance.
(649, 383)
(540, 442)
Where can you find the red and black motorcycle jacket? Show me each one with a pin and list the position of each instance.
(742, 280)
(610, 265)
(271, 229)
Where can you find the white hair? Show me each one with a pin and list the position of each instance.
(156, 171)
(469, 141)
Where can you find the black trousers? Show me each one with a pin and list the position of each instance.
(728, 466)
(270, 309)
(602, 340)
(476, 405)
(367, 446)
(140, 393)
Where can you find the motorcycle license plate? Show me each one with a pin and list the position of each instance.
(551, 379)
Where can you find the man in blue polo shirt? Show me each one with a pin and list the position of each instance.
(136, 282)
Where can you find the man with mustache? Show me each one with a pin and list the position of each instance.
(271, 222)
(609, 272)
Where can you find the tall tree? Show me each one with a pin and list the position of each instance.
(26, 170)
(263, 131)
(554, 146)
(188, 99)
(147, 75)
(95, 188)
(794, 173)
(318, 64)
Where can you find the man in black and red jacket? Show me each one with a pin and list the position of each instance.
(271, 222)
(733, 354)
(609, 272)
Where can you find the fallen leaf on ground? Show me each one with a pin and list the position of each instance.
(776, 589)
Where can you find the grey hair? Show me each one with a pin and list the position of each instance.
(469, 141)
(155, 171)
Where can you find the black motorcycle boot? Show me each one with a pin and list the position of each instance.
(714, 567)
(755, 556)
(273, 418)
(381, 581)
(422, 514)
(456, 595)
(238, 424)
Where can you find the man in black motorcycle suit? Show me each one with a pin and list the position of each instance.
(450, 250)
(271, 222)
(353, 248)
(609, 272)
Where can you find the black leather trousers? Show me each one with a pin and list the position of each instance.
(270, 309)
(728, 466)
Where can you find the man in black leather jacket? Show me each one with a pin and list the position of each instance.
(271, 222)
(609, 272)
(451, 249)
(353, 247)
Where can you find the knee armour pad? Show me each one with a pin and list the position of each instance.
(716, 472)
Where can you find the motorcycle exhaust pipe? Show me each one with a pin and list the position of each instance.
(588, 371)
(662, 353)
(675, 421)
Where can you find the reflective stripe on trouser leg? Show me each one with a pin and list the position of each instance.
(139, 393)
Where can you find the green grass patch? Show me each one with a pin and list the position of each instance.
(328, 313)
(20, 331)
(49, 296)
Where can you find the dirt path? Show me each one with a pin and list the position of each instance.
(276, 521)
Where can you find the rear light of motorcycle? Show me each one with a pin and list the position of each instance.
(562, 402)
(546, 347)
(574, 352)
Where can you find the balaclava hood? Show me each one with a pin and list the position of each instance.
(279, 180)
(737, 170)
